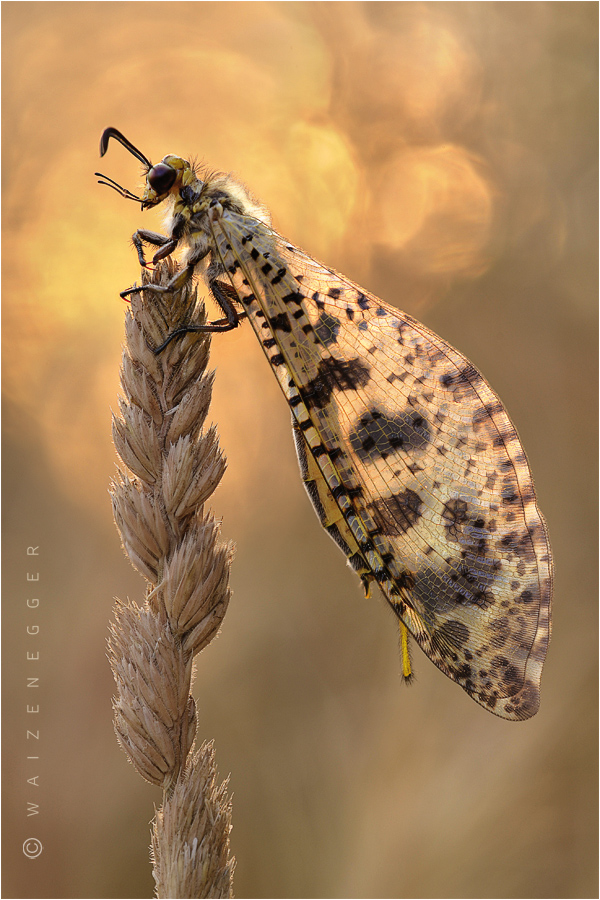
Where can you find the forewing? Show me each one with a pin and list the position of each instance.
(422, 459)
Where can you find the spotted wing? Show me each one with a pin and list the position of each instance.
(428, 482)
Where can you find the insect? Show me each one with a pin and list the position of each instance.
(409, 458)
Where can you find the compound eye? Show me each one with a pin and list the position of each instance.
(161, 178)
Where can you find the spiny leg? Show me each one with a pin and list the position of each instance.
(176, 283)
(179, 279)
(222, 293)
(142, 236)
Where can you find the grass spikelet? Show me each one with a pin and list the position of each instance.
(200, 809)
(173, 467)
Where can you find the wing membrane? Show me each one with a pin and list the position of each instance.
(430, 480)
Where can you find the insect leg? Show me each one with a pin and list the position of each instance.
(176, 282)
(223, 294)
(179, 279)
(165, 251)
(142, 237)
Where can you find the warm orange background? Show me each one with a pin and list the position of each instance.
(444, 156)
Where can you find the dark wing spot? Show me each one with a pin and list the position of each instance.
(293, 297)
(526, 703)
(396, 514)
(327, 328)
(280, 321)
(510, 492)
(280, 274)
(334, 374)
(508, 673)
(450, 637)
(520, 545)
(461, 381)
(377, 434)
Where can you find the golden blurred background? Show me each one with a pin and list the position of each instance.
(444, 156)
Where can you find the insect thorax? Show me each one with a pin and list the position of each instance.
(188, 216)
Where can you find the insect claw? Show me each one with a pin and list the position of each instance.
(171, 337)
(124, 295)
